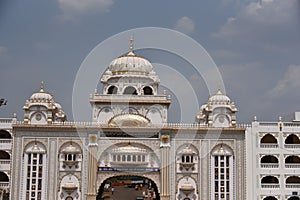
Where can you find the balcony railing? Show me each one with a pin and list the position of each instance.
(163, 125)
(6, 120)
(292, 185)
(292, 165)
(270, 185)
(4, 185)
(292, 146)
(269, 165)
(5, 143)
(4, 165)
(268, 145)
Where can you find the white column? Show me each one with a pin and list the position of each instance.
(165, 173)
(92, 168)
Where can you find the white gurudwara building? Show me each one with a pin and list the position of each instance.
(45, 157)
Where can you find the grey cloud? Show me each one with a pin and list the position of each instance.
(185, 25)
(288, 84)
(265, 21)
(73, 8)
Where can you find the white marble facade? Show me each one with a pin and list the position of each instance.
(129, 134)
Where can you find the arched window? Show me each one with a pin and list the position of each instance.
(34, 159)
(269, 159)
(3, 177)
(5, 134)
(112, 90)
(293, 180)
(71, 152)
(147, 90)
(4, 155)
(123, 158)
(268, 138)
(270, 198)
(222, 172)
(130, 90)
(292, 139)
(292, 160)
(269, 180)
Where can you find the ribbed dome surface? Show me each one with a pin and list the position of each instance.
(41, 96)
(130, 63)
(219, 97)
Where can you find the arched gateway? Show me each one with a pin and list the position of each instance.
(128, 185)
(128, 161)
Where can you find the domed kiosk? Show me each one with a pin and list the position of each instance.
(130, 84)
(219, 111)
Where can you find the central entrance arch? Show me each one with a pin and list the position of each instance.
(123, 185)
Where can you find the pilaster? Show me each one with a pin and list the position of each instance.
(92, 166)
(165, 167)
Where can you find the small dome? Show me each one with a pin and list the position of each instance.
(219, 97)
(130, 63)
(41, 95)
(129, 119)
(130, 149)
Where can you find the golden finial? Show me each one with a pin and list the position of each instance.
(131, 43)
(42, 86)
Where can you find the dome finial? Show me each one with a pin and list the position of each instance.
(219, 86)
(131, 43)
(42, 86)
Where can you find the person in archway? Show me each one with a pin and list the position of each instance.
(112, 191)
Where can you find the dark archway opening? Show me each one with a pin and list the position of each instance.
(112, 90)
(130, 90)
(270, 198)
(270, 179)
(4, 134)
(147, 90)
(4, 155)
(269, 159)
(292, 160)
(130, 186)
(268, 138)
(293, 180)
(3, 177)
(292, 139)
(294, 198)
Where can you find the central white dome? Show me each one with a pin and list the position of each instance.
(130, 63)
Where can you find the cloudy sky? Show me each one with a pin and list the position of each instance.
(255, 44)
